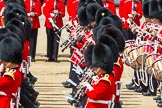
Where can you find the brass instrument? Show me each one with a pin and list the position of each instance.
(86, 77)
(72, 39)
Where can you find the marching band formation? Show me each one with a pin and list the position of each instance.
(100, 44)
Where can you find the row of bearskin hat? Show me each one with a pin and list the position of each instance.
(144, 53)
(14, 49)
(98, 44)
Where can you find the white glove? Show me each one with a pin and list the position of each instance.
(77, 69)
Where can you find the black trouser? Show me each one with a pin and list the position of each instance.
(155, 86)
(42, 1)
(25, 101)
(71, 74)
(52, 44)
(33, 42)
(117, 105)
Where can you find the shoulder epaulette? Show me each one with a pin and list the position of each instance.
(10, 72)
(106, 78)
(117, 63)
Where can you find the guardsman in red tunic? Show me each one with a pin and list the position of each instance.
(100, 92)
(121, 8)
(2, 7)
(117, 35)
(54, 11)
(72, 6)
(109, 4)
(133, 12)
(11, 77)
(33, 9)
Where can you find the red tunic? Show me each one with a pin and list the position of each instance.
(118, 70)
(9, 85)
(36, 8)
(2, 7)
(159, 50)
(48, 8)
(121, 8)
(109, 4)
(103, 90)
(72, 6)
(25, 52)
(124, 12)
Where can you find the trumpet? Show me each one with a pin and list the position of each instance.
(69, 24)
(86, 77)
(70, 40)
(74, 37)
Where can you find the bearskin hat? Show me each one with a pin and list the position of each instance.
(11, 5)
(145, 9)
(153, 9)
(109, 41)
(14, 35)
(107, 20)
(81, 3)
(91, 9)
(15, 22)
(118, 22)
(89, 1)
(88, 55)
(11, 50)
(5, 1)
(20, 2)
(160, 9)
(116, 34)
(16, 30)
(100, 13)
(27, 27)
(94, 1)
(160, 5)
(9, 16)
(97, 31)
(15, 8)
(102, 57)
(3, 31)
(82, 16)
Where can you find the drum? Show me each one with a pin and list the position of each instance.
(143, 51)
(128, 46)
(129, 42)
(149, 60)
(133, 54)
(157, 67)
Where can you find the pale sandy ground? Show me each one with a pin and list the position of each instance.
(51, 75)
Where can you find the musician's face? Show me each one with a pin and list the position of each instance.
(92, 23)
(147, 19)
(99, 71)
(155, 20)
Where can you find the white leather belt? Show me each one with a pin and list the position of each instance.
(2, 93)
(99, 101)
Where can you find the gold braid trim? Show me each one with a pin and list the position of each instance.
(10, 72)
(106, 78)
(117, 63)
